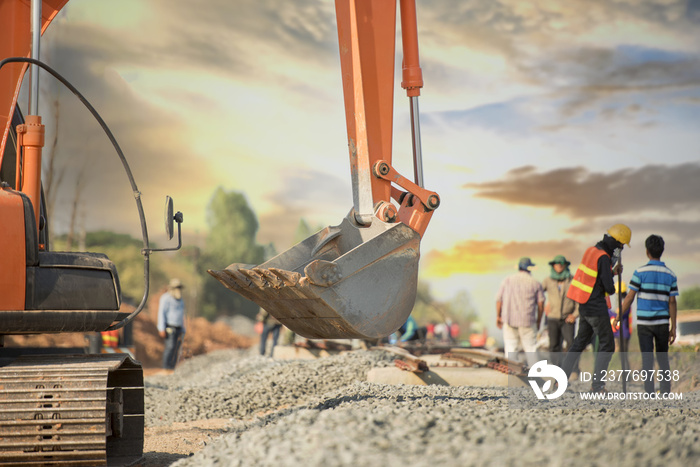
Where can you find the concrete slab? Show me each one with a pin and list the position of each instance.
(443, 375)
(291, 352)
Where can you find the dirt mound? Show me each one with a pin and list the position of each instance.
(68, 339)
(201, 337)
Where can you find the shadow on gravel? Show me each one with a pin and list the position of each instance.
(159, 459)
(337, 401)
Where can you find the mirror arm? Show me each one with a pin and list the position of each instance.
(178, 217)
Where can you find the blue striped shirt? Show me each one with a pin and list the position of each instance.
(654, 283)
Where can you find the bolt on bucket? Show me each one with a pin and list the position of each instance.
(346, 281)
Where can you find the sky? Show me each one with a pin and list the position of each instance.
(543, 124)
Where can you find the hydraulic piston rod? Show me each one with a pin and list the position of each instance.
(412, 80)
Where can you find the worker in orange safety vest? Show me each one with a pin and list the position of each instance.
(592, 283)
(110, 338)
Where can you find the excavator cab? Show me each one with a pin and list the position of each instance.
(358, 279)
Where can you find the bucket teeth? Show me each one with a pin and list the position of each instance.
(254, 277)
(271, 278)
(266, 284)
(288, 277)
(239, 279)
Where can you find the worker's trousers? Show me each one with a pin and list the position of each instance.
(588, 327)
(559, 331)
(517, 339)
(650, 337)
(173, 341)
(267, 329)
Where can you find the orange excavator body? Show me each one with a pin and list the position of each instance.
(16, 41)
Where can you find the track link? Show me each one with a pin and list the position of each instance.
(71, 410)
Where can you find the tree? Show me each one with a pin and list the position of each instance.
(231, 239)
(689, 299)
(80, 184)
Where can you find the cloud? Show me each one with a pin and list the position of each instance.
(154, 141)
(595, 79)
(506, 117)
(490, 256)
(577, 59)
(583, 194)
(531, 23)
(301, 30)
(680, 235)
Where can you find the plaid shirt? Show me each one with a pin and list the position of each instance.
(519, 295)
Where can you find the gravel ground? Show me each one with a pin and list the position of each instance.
(323, 412)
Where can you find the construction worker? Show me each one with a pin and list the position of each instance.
(592, 282)
(656, 289)
(269, 325)
(171, 323)
(519, 309)
(409, 331)
(563, 311)
(110, 338)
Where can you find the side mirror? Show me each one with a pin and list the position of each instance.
(169, 218)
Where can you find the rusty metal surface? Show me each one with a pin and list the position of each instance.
(344, 282)
(484, 358)
(407, 361)
(71, 410)
(414, 365)
(460, 360)
(459, 357)
(508, 367)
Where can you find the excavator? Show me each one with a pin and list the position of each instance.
(354, 280)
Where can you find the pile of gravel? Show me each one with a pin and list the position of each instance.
(241, 383)
(323, 412)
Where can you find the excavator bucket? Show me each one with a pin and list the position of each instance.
(345, 281)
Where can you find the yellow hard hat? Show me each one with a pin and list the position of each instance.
(621, 233)
(624, 287)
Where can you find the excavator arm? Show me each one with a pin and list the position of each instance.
(367, 37)
(358, 279)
